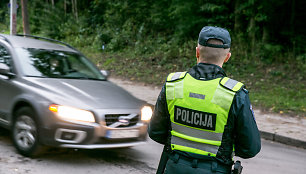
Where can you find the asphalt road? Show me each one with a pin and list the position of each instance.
(274, 158)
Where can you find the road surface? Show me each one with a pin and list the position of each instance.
(274, 158)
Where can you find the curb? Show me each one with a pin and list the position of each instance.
(282, 139)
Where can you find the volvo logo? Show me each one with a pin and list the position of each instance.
(124, 120)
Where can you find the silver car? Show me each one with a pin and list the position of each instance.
(51, 94)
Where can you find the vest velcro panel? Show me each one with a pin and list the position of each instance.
(175, 89)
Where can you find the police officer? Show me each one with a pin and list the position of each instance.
(203, 117)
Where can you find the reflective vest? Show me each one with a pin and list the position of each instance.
(198, 111)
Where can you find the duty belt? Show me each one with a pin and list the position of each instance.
(200, 163)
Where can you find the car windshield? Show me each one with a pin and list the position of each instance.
(56, 64)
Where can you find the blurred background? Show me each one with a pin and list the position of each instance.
(144, 40)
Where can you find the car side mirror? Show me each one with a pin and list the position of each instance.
(5, 70)
(105, 73)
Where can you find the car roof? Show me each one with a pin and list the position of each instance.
(26, 42)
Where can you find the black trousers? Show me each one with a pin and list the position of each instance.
(178, 164)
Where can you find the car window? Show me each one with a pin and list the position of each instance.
(56, 64)
(5, 57)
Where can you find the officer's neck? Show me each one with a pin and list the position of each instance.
(214, 63)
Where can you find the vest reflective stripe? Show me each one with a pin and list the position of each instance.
(175, 76)
(231, 84)
(180, 144)
(197, 133)
(190, 101)
(198, 140)
(193, 150)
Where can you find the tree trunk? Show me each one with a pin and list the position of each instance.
(76, 10)
(65, 7)
(265, 34)
(292, 26)
(25, 17)
(252, 32)
(238, 22)
(72, 7)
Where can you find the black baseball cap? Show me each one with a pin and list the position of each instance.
(210, 32)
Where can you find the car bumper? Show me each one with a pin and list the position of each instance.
(95, 136)
(102, 146)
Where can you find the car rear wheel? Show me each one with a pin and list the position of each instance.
(25, 132)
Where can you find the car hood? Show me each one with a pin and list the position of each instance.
(86, 94)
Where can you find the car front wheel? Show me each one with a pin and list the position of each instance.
(25, 132)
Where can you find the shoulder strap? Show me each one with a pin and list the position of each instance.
(176, 76)
(231, 84)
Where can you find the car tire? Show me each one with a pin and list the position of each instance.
(25, 133)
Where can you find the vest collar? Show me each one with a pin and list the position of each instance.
(205, 71)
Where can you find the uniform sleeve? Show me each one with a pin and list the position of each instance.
(247, 137)
(159, 125)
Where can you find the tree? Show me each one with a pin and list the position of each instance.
(25, 17)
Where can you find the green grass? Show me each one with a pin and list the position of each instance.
(4, 29)
(273, 87)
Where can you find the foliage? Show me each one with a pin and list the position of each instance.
(127, 23)
(145, 40)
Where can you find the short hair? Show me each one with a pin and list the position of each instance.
(212, 55)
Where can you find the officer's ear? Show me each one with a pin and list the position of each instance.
(198, 54)
(228, 55)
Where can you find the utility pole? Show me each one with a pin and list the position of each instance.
(13, 17)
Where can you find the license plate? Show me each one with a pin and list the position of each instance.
(122, 133)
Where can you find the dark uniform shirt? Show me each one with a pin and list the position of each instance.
(240, 130)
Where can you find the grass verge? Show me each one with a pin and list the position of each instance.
(274, 87)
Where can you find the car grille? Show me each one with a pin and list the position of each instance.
(113, 118)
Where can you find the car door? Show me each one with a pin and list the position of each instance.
(7, 89)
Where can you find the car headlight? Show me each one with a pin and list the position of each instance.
(70, 113)
(146, 113)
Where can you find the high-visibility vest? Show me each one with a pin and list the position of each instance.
(199, 111)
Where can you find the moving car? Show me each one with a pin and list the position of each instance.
(51, 94)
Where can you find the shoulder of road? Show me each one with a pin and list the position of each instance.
(282, 128)
(275, 127)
